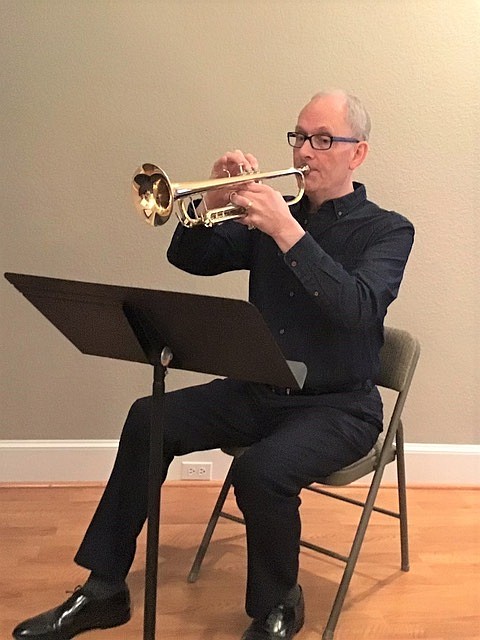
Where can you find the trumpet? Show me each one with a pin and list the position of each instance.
(155, 195)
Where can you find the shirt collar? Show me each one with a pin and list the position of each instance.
(340, 207)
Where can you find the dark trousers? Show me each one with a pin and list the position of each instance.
(293, 440)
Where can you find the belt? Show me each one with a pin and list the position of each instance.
(312, 391)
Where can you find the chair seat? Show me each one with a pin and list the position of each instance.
(342, 477)
(235, 452)
(360, 468)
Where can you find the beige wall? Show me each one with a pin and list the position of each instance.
(90, 89)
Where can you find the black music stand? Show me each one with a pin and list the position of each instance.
(205, 334)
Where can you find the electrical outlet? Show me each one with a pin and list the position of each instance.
(196, 470)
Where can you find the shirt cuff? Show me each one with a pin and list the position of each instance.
(310, 263)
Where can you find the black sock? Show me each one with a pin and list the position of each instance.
(293, 596)
(100, 588)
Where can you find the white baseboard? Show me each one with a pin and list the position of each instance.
(80, 461)
(44, 461)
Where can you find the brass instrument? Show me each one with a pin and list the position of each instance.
(154, 195)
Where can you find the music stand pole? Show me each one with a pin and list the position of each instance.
(155, 477)
(159, 357)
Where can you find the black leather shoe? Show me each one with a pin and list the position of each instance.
(79, 613)
(284, 621)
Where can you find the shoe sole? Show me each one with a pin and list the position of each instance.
(111, 625)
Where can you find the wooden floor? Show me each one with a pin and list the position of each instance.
(439, 599)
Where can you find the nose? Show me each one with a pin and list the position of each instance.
(305, 151)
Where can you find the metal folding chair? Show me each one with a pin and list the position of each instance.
(399, 358)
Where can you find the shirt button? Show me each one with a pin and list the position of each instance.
(315, 293)
(281, 332)
(291, 294)
(293, 263)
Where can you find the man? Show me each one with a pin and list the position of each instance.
(322, 273)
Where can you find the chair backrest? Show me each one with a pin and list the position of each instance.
(398, 359)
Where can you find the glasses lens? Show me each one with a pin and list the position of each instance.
(321, 141)
(295, 139)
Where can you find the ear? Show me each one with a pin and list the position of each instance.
(359, 155)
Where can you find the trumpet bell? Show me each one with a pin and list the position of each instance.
(153, 197)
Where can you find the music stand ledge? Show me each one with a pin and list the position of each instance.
(205, 334)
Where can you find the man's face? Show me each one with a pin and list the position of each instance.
(330, 173)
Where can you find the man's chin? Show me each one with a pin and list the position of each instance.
(311, 188)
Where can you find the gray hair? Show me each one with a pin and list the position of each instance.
(357, 115)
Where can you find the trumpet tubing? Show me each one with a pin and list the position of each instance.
(154, 195)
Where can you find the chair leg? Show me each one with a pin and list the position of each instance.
(353, 556)
(212, 523)
(402, 499)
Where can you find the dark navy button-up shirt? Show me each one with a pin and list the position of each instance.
(326, 298)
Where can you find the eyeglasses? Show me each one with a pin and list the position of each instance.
(318, 141)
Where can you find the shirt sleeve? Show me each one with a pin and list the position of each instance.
(357, 290)
(210, 251)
